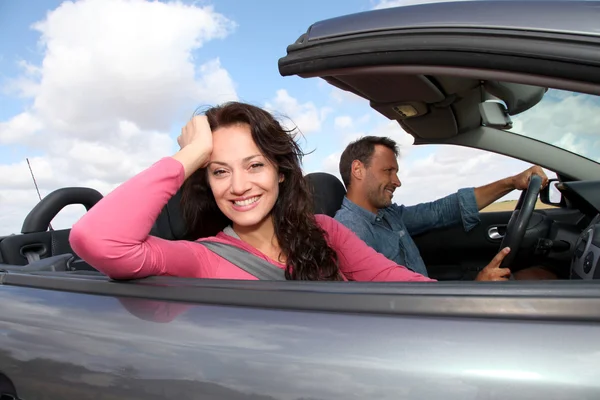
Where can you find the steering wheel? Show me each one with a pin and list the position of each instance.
(519, 220)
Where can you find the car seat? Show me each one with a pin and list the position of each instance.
(328, 192)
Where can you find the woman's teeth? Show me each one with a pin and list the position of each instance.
(246, 202)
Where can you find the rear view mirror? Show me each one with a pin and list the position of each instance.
(516, 96)
(550, 194)
(494, 115)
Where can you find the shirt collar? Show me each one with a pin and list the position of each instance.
(229, 231)
(355, 208)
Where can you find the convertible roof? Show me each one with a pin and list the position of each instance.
(438, 68)
(574, 17)
(458, 72)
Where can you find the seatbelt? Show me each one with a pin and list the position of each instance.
(31, 256)
(245, 260)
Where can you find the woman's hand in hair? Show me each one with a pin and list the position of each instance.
(196, 130)
(195, 144)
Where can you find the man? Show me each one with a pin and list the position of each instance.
(369, 169)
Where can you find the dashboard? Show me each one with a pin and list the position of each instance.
(585, 196)
(585, 263)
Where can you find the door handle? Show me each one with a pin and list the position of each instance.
(494, 233)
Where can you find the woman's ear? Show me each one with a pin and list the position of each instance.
(281, 178)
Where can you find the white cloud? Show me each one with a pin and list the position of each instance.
(393, 130)
(364, 119)
(17, 175)
(330, 162)
(343, 96)
(307, 117)
(390, 129)
(115, 75)
(343, 122)
(565, 120)
(448, 168)
(19, 129)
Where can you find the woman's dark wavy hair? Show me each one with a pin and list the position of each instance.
(302, 240)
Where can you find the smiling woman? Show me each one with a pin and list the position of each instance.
(244, 188)
(253, 181)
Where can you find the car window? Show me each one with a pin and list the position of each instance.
(429, 172)
(568, 120)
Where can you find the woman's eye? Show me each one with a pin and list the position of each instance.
(256, 165)
(218, 172)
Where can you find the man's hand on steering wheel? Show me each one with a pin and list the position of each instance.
(521, 181)
(519, 220)
(493, 271)
(530, 182)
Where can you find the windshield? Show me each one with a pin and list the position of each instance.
(568, 120)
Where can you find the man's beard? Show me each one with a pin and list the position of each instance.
(379, 200)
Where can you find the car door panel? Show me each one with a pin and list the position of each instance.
(453, 254)
(75, 346)
(65, 345)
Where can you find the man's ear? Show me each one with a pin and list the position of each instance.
(357, 170)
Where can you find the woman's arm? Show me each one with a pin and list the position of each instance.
(358, 261)
(113, 236)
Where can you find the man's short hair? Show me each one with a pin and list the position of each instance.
(362, 150)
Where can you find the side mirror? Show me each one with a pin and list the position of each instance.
(551, 195)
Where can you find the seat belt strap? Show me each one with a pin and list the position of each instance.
(31, 256)
(245, 260)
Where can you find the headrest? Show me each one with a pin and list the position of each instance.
(328, 192)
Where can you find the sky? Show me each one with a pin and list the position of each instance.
(94, 91)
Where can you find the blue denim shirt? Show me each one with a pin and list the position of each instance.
(396, 243)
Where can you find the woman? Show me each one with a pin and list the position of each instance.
(241, 170)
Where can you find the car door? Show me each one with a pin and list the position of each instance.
(74, 336)
(453, 254)
(456, 254)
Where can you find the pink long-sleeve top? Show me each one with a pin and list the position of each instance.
(113, 237)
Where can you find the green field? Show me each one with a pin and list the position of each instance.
(509, 205)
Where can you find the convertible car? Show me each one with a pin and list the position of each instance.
(520, 79)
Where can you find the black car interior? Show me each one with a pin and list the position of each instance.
(39, 249)
(36, 241)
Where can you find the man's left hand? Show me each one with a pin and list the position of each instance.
(521, 181)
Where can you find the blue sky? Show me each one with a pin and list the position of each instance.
(93, 91)
(257, 36)
(250, 54)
